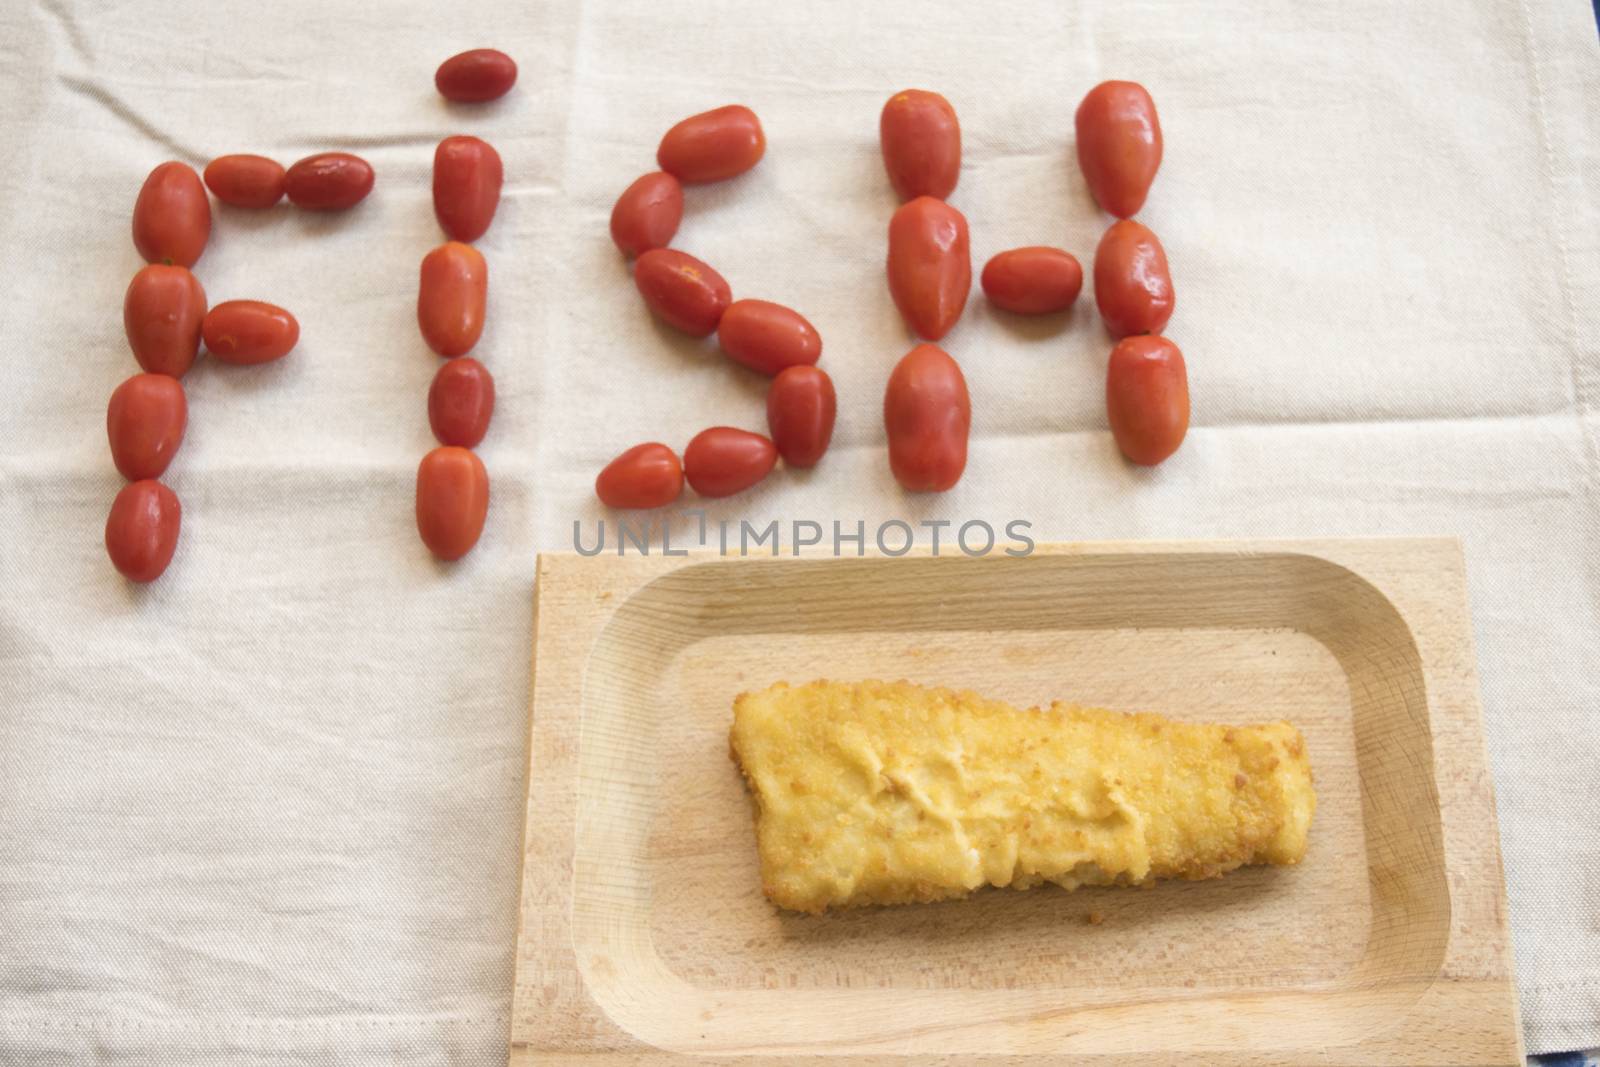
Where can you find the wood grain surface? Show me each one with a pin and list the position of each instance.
(645, 939)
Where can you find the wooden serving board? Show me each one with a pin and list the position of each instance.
(644, 938)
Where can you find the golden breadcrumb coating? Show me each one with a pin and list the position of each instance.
(891, 793)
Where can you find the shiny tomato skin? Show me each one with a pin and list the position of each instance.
(1119, 145)
(475, 76)
(161, 313)
(1132, 285)
(467, 175)
(713, 145)
(329, 181)
(245, 180)
(645, 476)
(249, 331)
(452, 298)
(461, 402)
(801, 407)
(1147, 398)
(172, 217)
(927, 415)
(647, 214)
(724, 460)
(452, 501)
(921, 142)
(1032, 281)
(145, 421)
(682, 291)
(930, 265)
(767, 337)
(142, 530)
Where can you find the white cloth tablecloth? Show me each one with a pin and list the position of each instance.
(267, 809)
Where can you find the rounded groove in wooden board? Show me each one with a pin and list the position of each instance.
(1257, 928)
(639, 712)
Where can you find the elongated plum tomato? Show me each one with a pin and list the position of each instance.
(452, 297)
(172, 217)
(1147, 398)
(645, 476)
(927, 414)
(144, 423)
(1132, 286)
(767, 337)
(142, 530)
(921, 141)
(723, 460)
(1119, 145)
(713, 145)
(249, 331)
(647, 213)
(475, 76)
(461, 402)
(330, 181)
(161, 313)
(452, 501)
(246, 180)
(682, 291)
(930, 265)
(1032, 281)
(466, 186)
(801, 406)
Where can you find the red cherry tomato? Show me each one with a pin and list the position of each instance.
(331, 181)
(466, 186)
(713, 145)
(461, 402)
(645, 476)
(161, 314)
(452, 298)
(647, 213)
(801, 406)
(1132, 285)
(452, 501)
(1147, 398)
(927, 414)
(249, 331)
(921, 141)
(930, 265)
(142, 530)
(1119, 145)
(1032, 281)
(246, 180)
(722, 461)
(475, 76)
(172, 217)
(144, 423)
(767, 337)
(682, 291)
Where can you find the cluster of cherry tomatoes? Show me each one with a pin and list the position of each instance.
(1147, 384)
(690, 296)
(452, 297)
(166, 319)
(927, 412)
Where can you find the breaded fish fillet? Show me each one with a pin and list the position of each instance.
(890, 793)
